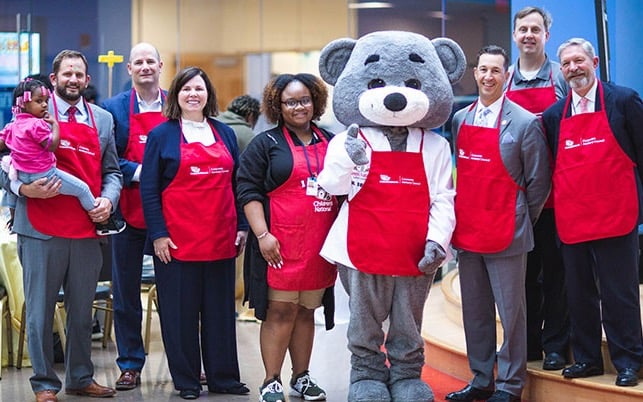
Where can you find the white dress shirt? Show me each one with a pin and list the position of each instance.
(590, 95)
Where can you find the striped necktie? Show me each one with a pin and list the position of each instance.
(71, 114)
(481, 120)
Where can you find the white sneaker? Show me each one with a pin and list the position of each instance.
(272, 392)
(305, 387)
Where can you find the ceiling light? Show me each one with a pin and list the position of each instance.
(370, 4)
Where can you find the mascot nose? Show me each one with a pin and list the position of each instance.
(395, 102)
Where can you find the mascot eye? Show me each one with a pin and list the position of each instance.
(376, 83)
(413, 83)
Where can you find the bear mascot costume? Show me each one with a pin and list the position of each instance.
(393, 232)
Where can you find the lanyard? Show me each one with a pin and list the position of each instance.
(316, 158)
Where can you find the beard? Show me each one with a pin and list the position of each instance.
(579, 82)
(66, 95)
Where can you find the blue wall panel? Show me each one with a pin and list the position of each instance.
(577, 19)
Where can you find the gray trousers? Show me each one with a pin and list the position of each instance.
(47, 265)
(373, 299)
(487, 282)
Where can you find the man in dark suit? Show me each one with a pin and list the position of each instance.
(135, 111)
(504, 178)
(595, 137)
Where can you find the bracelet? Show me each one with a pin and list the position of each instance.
(261, 236)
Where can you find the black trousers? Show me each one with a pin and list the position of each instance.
(548, 326)
(602, 287)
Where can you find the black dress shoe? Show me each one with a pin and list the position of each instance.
(190, 393)
(627, 378)
(502, 396)
(554, 361)
(239, 389)
(582, 370)
(469, 394)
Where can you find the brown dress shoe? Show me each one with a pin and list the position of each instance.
(48, 395)
(129, 379)
(93, 390)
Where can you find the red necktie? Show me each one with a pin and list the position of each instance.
(71, 114)
(583, 104)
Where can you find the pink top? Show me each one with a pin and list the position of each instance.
(23, 137)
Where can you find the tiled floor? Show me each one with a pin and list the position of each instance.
(329, 366)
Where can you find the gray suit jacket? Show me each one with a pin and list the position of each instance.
(112, 178)
(524, 152)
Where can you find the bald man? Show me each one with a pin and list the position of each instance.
(136, 112)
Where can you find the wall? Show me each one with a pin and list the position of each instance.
(578, 20)
(624, 30)
(237, 26)
(93, 27)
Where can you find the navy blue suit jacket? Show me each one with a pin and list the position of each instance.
(118, 105)
(161, 164)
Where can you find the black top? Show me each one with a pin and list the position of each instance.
(266, 164)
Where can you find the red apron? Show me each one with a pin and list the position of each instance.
(389, 216)
(140, 125)
(485, 204)
(536, 100)
(594, 183)
(198, 205)
(301, 222)
(78, 154)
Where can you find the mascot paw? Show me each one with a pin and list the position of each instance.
(368, 391)
(434, 255)
(355, 146)
(411, 390)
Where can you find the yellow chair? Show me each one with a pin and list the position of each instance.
(103, 295)
(59, 327)
(148, 281)
(5, 327)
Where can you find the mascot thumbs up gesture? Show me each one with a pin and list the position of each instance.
(393, 232)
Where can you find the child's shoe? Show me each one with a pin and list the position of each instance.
(110, 226)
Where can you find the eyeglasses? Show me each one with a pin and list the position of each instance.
(292, 103)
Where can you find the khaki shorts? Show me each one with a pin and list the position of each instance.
(311, 299)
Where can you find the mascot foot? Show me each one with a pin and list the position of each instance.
(368, 391)
(411, 390)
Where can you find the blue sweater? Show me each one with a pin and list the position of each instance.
(160, 165)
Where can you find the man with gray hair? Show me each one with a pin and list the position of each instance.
(595, 138)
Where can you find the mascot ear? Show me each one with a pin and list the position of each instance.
(452, 58)
(333, 59)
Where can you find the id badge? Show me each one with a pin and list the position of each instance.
(311, 186)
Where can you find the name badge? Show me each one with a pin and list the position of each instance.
(311, 186)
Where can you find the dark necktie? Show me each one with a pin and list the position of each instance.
(71, 114)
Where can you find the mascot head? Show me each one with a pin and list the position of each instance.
(392, 78)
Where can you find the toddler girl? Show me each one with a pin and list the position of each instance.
(32, 137)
